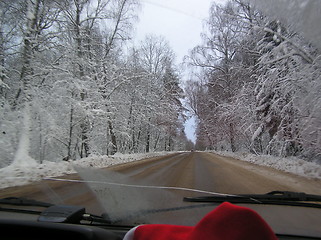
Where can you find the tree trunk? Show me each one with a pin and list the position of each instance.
(71, 123)
(22, 154)
(232, 137)
(2, 73)
(114, 147)
(147, 142)
(156, 141)
(85, 151)
(29, 40)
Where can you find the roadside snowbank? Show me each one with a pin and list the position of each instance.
(16, 175)
(291, 164)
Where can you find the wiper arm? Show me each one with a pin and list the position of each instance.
(286, 195)
(19, 201)
(275, 197)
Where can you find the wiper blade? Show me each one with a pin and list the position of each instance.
(274, 197)
(286, 195)
(20, 201)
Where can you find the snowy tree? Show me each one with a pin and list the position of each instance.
(69, 88)
(222, 41)
(96, 30)
(160, 91)
(268, 101)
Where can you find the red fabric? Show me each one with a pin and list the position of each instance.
(226, 222)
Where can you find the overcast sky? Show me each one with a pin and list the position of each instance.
(180, 22)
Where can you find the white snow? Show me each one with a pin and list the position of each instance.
(16, 175)
(290, 164)
(22, 157)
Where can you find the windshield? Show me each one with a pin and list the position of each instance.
(128, 106)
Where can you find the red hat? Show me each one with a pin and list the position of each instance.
(226, 222)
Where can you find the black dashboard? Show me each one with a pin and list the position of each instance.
(24, 229)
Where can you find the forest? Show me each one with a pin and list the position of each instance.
(257, 87)
(73, 84)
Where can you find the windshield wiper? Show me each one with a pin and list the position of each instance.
(52, 212)
(274, 197)
(20, 201)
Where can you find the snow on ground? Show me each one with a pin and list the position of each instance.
(291, 164)
(16, 175)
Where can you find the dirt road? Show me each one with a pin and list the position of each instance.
(211, 172)
(197, 170)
